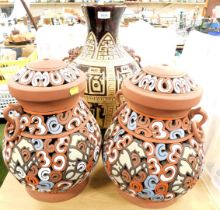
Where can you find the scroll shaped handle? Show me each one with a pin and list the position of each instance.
(197, 126)
(12, 127)
(118, 97)
(120, 102)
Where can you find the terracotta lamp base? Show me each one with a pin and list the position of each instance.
(58, 197)
(146, 203)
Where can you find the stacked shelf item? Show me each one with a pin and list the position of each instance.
(7, 69)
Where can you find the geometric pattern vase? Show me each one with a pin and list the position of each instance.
(104, 60)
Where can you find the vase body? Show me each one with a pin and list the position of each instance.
(153, 150)
(51, 144)
(104, 61)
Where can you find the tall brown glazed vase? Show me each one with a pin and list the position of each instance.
(52, 141)
(104, 61)
(153, 150)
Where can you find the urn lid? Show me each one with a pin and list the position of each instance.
(46, 73)
(162, 87)
(47, 80)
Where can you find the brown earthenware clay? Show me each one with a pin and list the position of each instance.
(52, 141)
(104, 60)
(153, 150)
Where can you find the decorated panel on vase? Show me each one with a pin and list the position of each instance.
(105, 62)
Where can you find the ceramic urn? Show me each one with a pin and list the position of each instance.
(153, 149)
(51, 140)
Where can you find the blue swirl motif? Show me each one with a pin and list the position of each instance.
(45, 186)
(151, 182)
(54, 127)
(161, 152)
(176, 134)
(81, 104)
(146, 193)
(157, 197)
(104, 157)
(38, 144)
(132, 124)
(90, 127)
(120, 132)
(96, 153)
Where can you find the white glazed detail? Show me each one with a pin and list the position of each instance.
(168, 85)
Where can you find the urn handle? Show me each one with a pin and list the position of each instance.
(120, 102)
(197, 125)
(118, 97)
(12, 127)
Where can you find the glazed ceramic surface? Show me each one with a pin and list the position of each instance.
(51, 150)
(153, 150)
(104, 60)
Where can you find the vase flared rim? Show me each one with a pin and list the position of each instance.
(117, 5)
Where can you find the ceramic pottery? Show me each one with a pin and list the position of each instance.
(153, 150)
(104, 60)
(52, 141)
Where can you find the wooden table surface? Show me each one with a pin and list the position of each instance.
(100, 194)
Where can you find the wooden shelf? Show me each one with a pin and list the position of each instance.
(44, 3)
(127, 3)
(57, 3)
(166, 3)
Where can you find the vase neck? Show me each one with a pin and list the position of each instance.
(102, 19)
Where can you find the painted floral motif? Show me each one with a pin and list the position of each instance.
(152, 159)
(54, 153)
(167, 85)
(47, 78)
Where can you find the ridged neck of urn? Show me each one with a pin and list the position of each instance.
(102, 19)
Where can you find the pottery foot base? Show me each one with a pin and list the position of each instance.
(145, 203)
(60, 196)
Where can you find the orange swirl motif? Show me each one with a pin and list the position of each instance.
(135, 159)
(143, 121)
(144, 131)
(82, 146)
(126, 176)
(124, 141)
(47, 146)
(84, 131)
(140, 177)
(33, 170)
(31, 180)
(161, 188)
(64, 117)
(185, 123)
(26, 154)
(189, 182)
(55, 176)
(173, 124)
(136, 186)
(90, 165)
